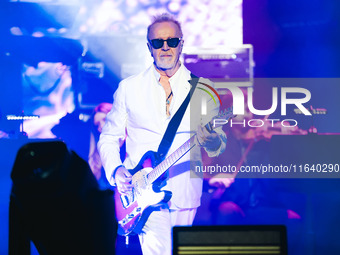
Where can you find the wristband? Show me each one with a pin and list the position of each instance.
(114, 171)
(198, 141)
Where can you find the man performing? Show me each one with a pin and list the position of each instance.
(142, 109)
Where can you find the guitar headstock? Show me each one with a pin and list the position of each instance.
(221, 119)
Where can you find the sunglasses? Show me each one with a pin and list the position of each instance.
(158, 43)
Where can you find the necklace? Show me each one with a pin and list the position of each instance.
(167, 100)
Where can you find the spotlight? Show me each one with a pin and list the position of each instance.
(174, 6)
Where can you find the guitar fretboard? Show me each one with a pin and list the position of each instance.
(181, 151)
(170, 160)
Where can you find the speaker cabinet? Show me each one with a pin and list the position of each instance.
(266, 239)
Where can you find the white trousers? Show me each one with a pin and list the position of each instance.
(155, 238)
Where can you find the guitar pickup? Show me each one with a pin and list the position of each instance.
(127, 200)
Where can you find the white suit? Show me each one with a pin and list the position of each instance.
(139, 116)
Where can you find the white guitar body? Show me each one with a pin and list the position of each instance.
(132, 210)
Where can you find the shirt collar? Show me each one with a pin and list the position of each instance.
(156, 74)
(182, 73)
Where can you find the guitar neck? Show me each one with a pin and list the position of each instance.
(170, 160)
(187, 146)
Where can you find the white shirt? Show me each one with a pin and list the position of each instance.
(139, 115)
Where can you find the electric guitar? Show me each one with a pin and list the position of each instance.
(133, 209)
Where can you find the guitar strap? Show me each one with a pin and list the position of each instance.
(173, 125)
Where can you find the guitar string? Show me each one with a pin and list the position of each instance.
(152, 176)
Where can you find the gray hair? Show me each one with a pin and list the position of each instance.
(164, 17)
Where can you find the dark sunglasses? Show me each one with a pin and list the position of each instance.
(158, 43)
